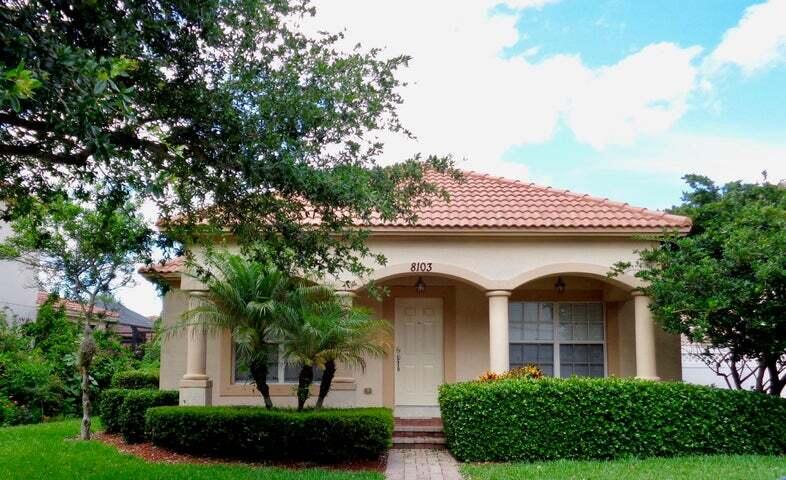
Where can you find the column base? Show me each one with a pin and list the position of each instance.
(196, 392)
(643, 377)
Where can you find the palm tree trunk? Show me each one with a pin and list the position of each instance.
(327, 381)
(304, 381)
(259, 374)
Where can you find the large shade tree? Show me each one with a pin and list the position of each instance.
(224, 113)
(724, 284)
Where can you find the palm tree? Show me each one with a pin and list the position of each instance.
(320, 331)
(245, 298)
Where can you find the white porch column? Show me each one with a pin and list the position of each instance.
(498, 330)
(195, 386)
(646, 366)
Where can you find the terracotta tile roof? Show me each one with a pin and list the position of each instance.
(172, 265)
(73, 308)
(485, 202)
(488, 202)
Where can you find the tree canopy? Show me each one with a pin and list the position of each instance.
(224, 113)
(724, 284)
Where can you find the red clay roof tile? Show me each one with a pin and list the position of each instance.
(484, 201)
(73, 308)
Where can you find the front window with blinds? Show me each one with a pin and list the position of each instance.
(563, 339)
(278, 370)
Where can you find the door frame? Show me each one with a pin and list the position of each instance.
(448, 295)
(440, 337)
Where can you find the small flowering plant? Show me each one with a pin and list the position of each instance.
(525, 371)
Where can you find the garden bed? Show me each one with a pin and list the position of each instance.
(151, 453)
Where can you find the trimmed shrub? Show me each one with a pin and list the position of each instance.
(135, 379)
(581, 418)
(134, 407)
(109, 406)
(257, 434)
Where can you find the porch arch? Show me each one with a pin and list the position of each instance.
(625, 282)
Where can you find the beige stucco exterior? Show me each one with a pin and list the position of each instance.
(474, 274)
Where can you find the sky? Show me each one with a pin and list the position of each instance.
(613, 98)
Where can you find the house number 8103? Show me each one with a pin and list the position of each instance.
(420, 267)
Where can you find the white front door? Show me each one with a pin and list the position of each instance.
(418, 351)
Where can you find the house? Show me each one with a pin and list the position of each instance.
(507, 273)
(18, 286)
(132, 327)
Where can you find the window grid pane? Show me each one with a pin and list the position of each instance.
(540, 354)
(583, 360)
(579, 347)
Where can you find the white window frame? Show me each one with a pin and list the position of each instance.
(555, 340)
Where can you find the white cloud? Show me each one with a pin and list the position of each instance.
(757, 42)
(723, 158)
(644, 94)
(466, 99)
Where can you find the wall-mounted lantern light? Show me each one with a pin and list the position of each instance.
(560, 285)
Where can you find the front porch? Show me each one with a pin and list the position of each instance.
(449, 330)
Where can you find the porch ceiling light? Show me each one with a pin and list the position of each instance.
(560, 285)
(420, 285)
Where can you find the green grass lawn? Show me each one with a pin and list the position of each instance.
(47, 452)
(693, 468)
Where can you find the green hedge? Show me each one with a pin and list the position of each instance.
(109, 406)
(134, 408)
(135, 379)
(583, 418)
(257, 434)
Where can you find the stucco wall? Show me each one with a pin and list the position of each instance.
(472, 332)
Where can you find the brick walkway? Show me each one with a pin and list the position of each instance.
(421, 464)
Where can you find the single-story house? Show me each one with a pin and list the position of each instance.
(507, 273)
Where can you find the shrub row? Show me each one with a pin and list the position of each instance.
(583, 418)
(135, 379)
(257, 434)
(123, 410)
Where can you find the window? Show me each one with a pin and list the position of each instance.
(563, 339)
(278, 370)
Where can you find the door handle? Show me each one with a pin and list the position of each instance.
(398, 359)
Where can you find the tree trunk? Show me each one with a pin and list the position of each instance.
(304, 381)
(84, 433)
(776, 385)
(259, 374)
(327, 381)
(87, 350)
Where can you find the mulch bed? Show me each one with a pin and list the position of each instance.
(152, 453)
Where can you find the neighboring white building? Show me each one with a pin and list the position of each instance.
(695, 371)
(18, 286)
